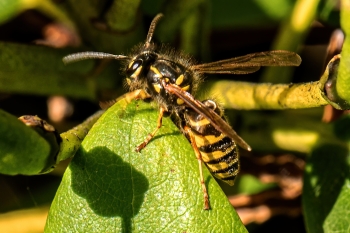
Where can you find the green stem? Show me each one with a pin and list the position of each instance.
(122, 15)
(27, 69)
(72, 139)
(52, 11)
(244, 95)
(196, 42)
(343, 81)
(291, 35)
(281, 131)
(175, 13)
(92, 18)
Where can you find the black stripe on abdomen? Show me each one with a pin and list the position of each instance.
(232, 169)
(229, 174)
(227, 158)
(221, 145)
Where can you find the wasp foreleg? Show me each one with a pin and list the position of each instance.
(151, 135)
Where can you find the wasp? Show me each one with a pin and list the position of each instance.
(171, 78)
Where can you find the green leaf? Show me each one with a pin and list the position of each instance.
(94, 18)
(22, 149)
(72, 139)
(108, 187)
(27, 69)
(9, 9)
(326, 191)
(248, 184)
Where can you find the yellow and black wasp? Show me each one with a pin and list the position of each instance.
(171, 79)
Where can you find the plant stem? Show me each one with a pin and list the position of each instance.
(255, 96)
(122, 15)
(244, 95)
(343, 80)
(72, 139)
(291, 35)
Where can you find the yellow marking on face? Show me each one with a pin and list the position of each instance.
(179, 80)
(166, 80)
(136, 73)
(128, 81)
(186, 88)
(130, 64)
(179, 101)
(157, 87)
(156, 71)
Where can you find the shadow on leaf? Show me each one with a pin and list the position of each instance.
(111, 186)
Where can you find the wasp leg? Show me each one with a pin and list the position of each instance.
(200, 162)
(151, 135)
(128, 97)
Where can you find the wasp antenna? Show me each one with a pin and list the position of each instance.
(91, 55)
(151, 29)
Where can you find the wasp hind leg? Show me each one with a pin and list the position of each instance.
(151, 135)
(200, 162)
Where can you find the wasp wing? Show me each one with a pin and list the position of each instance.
(208, 113)
(250, 63)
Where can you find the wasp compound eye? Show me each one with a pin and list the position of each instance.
(134, 68)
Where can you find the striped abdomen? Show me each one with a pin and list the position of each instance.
(219, 152)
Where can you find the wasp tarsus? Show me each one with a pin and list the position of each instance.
(171, 78)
